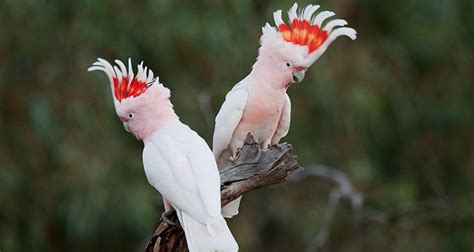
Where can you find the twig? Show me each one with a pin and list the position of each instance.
(343, 189)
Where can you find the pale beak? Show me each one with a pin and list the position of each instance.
(298, 76)
(125, 126)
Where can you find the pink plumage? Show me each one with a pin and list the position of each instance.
(259, 104)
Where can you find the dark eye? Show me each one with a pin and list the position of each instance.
(288, 64)
(130, 116)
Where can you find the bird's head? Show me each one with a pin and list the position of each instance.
(293, 48)
(140, 101)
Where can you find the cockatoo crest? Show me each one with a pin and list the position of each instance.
(141, 102)
(306, 31)
(123, 83)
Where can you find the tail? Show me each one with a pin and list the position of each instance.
(232, 208)
(207, 237)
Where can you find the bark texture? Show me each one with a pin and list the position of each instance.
(253, 168)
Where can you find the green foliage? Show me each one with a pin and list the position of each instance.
(393, 109)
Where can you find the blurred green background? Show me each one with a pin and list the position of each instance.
(393, 110)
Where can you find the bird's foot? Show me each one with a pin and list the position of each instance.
(165, 219)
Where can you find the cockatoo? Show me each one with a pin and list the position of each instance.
(177, 161)
(259, 104)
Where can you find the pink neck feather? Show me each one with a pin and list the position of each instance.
(164, 115)
(266, 71)
(156, 101)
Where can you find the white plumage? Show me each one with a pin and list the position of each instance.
(177, 161)
(180, 165)
(259, 104)
(231, 127)
(227, 120)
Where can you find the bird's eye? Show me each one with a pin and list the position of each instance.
(130, 116)
(288, 64)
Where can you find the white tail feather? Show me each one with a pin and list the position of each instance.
(232, 208)
(214, 236)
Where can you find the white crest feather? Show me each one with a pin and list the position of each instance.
(122, 68)
(267, 29)
(344, 31)
(292, 12)
(318, 19)
(277, 18)
(117, 71)
(309, 11)
(139, 72)
(334, 23)
(103, 65)
(150, 76)
(130, 70)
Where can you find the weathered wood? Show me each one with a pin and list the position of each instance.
(253, 168)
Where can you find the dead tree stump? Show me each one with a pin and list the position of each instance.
(253, 168)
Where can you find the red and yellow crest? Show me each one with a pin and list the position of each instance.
(124, 83)
(305, 28)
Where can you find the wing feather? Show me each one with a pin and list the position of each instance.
(228, 118)
(206, 175)
(180, 164)
(284, 123)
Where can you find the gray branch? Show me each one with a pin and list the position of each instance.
(343, 189)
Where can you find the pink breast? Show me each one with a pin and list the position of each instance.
(260, 117)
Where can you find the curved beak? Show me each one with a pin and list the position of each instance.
(125, 126)
(298, 76)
